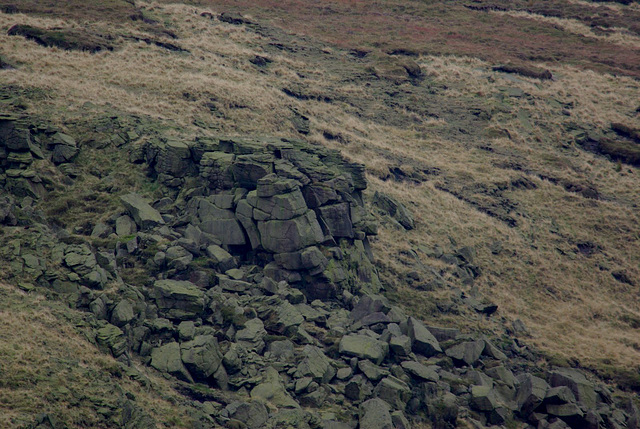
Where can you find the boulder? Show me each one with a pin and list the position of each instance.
(423, 341)
(483, 398)
(369, 304)
(178, 257)
(371, 371)
(216, 169)
(400, 345)
(201, 356)
(253, 414)
(221, 223)
(272, 185)
(272, 391)
(337, 217)
(531, 392)
(443, 410)
(145, 216)
(251, 337)
(281, 350)
(393, 391)
(64, 148)
(421, 372)
(363, 347)
(374, 414)
(125, 226)
(178, 299)
(222, 259)
(310, 258)
(466, 353)
(249, 169)
(285, 319)
(112, 338)
(318, 194)
(280, 206)
(244, 214)
(122, 313)
(173, 158)
(358, 388)
(279, 236)
(582, 388)
(167, 359)
(315, 365)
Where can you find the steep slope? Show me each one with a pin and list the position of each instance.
(519, 190)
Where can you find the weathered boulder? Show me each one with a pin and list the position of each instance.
(178, 257)
(253, 414)
(420, 371)
(279, 206)
(364, 347)
(358, 388)
(201, 356)
(393, 391)
(279, 236)
(167, 359)
(311, 259)
(531, 392)
(483, 398)
(122, 313)
(125, 226)
(252, 335)
(315, 365)
(178, 299)
(112, 338)
(371, 371)
(337, 217)
(368, 304)
(248, 169)
(64, 148)
(374, 414)
(145, 216)
(582, 388)
(466, 353)
(318, 194)
(222, 259)
(272, 391)
(173, 157)
(216, 169)
(285, 319)
(400, 345)
(559, 395)
(423, 341)
(219, 222)
(443, 409)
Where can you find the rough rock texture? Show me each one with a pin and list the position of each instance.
(251, 282)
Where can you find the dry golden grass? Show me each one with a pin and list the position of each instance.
(618, 36)
(571, 303)
(49, 367)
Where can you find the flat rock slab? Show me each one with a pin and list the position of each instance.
(419, 371)
(364, 347)
(144, 215)
(178, 299)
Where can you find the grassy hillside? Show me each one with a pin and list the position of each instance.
(528, 172)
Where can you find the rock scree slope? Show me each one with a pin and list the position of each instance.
(201, 252)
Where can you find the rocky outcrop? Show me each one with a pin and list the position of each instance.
(254, 287)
